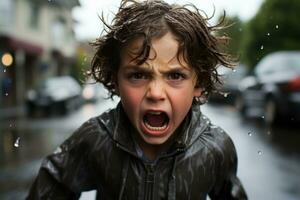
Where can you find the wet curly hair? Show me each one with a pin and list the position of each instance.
(202, 49)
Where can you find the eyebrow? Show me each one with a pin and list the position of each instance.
(147, 69)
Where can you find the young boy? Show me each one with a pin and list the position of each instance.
(161, 60)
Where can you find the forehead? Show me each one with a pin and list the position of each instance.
(165, 48)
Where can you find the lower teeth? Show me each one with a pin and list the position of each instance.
(153, 128)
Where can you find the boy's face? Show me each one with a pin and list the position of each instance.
(157, 94)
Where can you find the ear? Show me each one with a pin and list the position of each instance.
(198, 91)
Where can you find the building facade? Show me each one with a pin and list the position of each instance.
(37, 40)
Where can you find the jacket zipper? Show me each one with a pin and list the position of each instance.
(149, 181)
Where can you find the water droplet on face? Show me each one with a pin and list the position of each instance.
(262, 47)
(259, 153)
(276, 26)
(17, 142)
(250, 133)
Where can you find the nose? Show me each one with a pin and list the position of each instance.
(156, 91)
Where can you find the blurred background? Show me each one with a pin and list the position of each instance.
(44, 97)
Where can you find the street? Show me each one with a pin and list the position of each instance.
(269, 158)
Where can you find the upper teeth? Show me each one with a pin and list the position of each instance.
(155, 112)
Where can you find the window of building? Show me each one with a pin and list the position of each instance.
(34, 16)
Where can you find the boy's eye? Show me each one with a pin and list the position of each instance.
(137, 76)
(176, 76)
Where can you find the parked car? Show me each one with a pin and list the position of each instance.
(273, 92)
(55, 95)
(228, 91)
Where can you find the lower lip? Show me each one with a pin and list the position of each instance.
(156, 133)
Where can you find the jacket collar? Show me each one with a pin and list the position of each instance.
(121, 130)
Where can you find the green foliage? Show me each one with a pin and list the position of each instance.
(234, 29)
(81, 66)
(275, 27)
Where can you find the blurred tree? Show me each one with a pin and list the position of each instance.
(81, 65)
(275, 27)
(234, 30)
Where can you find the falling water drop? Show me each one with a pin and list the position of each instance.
(6, 94)
(262, 47)
(250, 133)
(268, 34)
(276, 26)
(4, 70)
(234, 70)
(263, 117)
(259, 153)
(17, 143)
(226, 95)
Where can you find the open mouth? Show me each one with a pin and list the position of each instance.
(156, 121)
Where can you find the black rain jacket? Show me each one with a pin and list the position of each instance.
(101, 155)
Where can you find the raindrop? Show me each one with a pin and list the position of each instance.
(57, 150)
(234, 70)
(226, 95)
(263, 117)
(262, 47)
(268, 34)
(259, 153)
(4, 70)
(276, 26)
(6, 94)
(250, 133)
(17, 143)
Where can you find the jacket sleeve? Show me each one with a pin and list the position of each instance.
(227, 185)
(65, 173)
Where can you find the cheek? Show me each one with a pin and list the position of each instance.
(130, 97)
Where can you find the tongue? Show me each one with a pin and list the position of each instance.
(155, 120)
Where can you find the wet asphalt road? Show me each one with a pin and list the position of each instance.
(269, 158)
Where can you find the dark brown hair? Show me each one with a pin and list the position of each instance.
(201, 47)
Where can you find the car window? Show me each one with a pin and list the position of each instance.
(278, 63)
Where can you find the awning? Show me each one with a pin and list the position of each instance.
(17, 44)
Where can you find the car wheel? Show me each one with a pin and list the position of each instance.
(270, 112)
